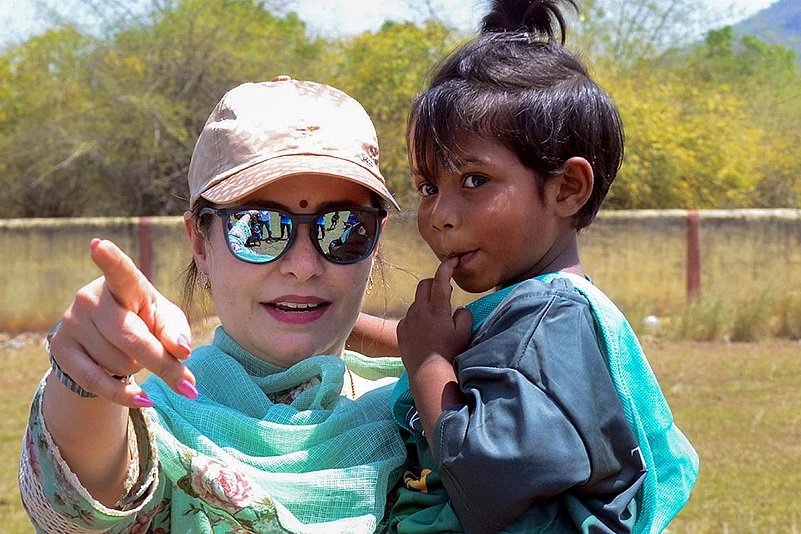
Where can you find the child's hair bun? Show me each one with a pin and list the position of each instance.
(539, 17)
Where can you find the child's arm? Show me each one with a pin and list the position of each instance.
(430, 337)
(374, 336)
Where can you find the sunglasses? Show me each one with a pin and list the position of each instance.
(342, 236)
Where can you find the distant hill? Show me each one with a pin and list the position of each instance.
(778, 24)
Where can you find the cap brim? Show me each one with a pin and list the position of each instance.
(252, 178)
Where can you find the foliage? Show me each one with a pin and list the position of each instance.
(105, 124)
(703, 129)
(622, 32)
(779, 23)
(384, 71)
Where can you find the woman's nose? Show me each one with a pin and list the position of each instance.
(302, 259)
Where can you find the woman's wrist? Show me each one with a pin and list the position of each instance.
(62, 376)
(374, 336)
(91, 435)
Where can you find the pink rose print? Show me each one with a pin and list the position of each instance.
(33, 459)
(141, 524)
(219, 486)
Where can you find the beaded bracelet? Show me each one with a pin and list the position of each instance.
(66, 379)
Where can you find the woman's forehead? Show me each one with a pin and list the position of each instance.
(311, 191)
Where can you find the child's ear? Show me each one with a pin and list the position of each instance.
(196, 239)
(569, 190)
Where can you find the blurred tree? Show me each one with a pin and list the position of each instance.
(105, 124)
(716, 126)
(41, 102)
(384, 71)
(115, 118)
(619, 33)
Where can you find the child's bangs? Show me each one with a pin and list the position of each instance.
(442, 118)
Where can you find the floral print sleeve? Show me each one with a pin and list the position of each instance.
(56, 501)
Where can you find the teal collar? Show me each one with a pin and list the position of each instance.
(482, 308)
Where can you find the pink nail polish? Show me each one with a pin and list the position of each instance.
(187, 389)
(142, 402)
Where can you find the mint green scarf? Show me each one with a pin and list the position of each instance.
(238, 458)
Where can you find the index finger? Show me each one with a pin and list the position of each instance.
(124, 280)
(441, 285)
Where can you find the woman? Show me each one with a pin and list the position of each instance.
(275, 427)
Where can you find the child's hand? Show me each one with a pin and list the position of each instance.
(430, 330)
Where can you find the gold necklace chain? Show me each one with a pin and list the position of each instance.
(352, 385)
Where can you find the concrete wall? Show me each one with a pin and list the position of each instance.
(639, 258)
(43, 262)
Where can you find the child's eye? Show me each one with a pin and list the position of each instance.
(426, 189)
(475, 180)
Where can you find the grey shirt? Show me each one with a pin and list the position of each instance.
(542, 441)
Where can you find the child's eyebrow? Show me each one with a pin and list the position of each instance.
(473, 160)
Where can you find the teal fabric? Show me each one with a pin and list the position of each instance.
(237, 455)
(671, 460)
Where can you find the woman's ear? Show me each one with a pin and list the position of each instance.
(569, 190)
(196, 239)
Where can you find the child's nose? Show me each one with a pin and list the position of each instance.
(445, 213)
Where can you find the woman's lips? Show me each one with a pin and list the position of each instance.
(295, 309)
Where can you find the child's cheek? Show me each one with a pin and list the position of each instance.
(423, 229)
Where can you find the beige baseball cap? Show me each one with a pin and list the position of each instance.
(262, 132)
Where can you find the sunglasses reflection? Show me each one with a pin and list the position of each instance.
(353, 241)
(251, 232)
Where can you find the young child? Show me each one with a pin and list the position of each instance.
(541, 414)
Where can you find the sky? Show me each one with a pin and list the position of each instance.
(19, 19)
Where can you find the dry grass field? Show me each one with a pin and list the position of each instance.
(738, 403)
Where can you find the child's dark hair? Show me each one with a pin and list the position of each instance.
(516, 85)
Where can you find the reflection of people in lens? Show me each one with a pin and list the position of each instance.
(239, 233)
(320, 227)
(334, 221)
(285, 227)
(255, 229)
(264, 219)
(353, 218)
(351, 244)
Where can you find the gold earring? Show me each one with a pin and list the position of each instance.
(203, 281)
(369, 285)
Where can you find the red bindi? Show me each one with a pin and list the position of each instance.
(303, 204)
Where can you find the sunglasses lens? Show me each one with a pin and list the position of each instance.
(258, 236)
(344, 236)
(347, 236)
